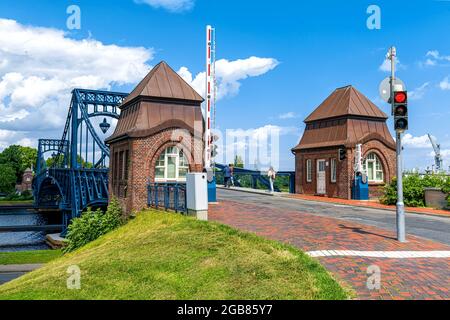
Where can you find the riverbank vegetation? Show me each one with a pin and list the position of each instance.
(92, 225)
(160, 255)
(14, 160)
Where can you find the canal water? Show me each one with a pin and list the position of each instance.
(24, 241)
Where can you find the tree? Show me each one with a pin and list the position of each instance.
(7, 178)
(52, 160)
(238, 162)
(19, 159)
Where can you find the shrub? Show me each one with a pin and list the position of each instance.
(413, 189)
(14, 196)
(92, 225)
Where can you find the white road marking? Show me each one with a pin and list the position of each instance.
(380, 254)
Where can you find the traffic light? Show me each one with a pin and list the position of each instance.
(342, 154)
(400, 111)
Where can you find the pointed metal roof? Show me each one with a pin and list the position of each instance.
(345, 118)
(163, 82)
(346, 101)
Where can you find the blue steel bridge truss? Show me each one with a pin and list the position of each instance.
(77, 176)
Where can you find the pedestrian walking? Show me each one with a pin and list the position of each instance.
(232, 174)
(272, 175)
(227, 176)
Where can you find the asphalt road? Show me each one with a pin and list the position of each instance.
(9, 276)
(430, 227)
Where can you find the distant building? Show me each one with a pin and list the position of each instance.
(158, 138)
(27, 180)
(346, 118)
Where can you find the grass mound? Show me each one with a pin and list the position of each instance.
(29, 257)
(168, 257)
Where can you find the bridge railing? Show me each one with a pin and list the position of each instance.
(167, 196)
(284, 182)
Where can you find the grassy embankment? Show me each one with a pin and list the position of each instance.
(29, 257)
(168, 256)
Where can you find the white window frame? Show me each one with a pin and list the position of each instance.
(333, 168)
(309, 171)
(373, 158)
(175, 153)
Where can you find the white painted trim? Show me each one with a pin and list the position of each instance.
(380, 254)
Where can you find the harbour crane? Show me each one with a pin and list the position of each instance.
(439, 163)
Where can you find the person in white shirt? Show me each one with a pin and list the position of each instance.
(272, 175)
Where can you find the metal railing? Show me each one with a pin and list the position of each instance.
(285, 181)
(167, 196)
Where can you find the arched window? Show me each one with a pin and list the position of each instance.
(172, 165)
(374, 168)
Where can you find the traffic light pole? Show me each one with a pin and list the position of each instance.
(401, 234)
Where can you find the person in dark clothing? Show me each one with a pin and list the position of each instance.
(227, 176)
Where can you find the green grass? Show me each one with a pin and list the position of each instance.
(167, 256)
(27, 257)
(15, 202)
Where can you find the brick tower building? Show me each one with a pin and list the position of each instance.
(158, 138)
(346, 118)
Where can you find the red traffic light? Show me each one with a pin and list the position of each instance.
(400, 97)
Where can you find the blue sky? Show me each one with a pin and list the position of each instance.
(306, 49)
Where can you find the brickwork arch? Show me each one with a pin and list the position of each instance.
(387, 171)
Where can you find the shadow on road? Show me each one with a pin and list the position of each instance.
(362, 231)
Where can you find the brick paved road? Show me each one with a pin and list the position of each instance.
(400, 278)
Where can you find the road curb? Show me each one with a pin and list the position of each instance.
(19, 267)
(370, 207)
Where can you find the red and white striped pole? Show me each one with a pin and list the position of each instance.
(210, 92)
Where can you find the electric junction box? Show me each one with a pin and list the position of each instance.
(197, 195)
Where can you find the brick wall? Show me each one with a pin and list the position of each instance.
(342, 187)
(143, 155)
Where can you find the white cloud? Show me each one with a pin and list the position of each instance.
(170, 5)
(386, 65)
(288, 115)
(416, 142)
(419, 92)
(40, 66)
(433, 58)
(229, 74)
(445, 84)
(433, 53)
(445, 155)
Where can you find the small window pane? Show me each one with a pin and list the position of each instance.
(370, 171)
(308, 170)
(333, 170)
(171, 168)
(159, 173)
(379, 176)
(182, 173)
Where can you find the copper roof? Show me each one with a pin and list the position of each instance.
(163, 82)
(346, 101)
(160, 101)
(345, 118)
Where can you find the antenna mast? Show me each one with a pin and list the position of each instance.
(210, 92)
